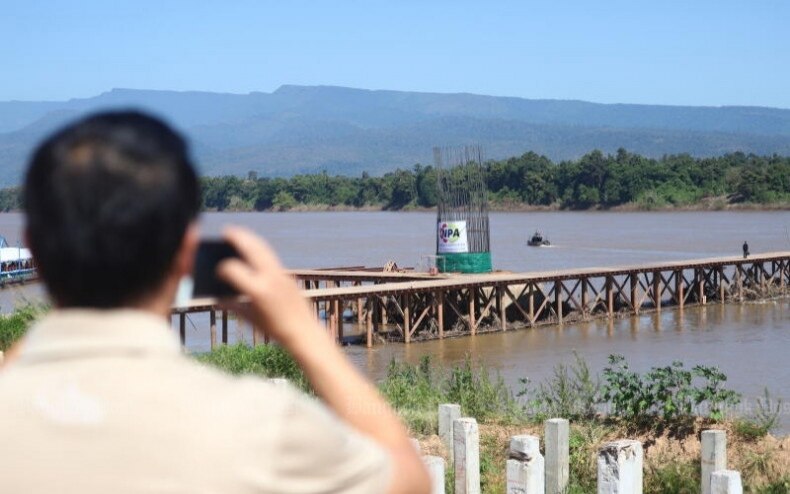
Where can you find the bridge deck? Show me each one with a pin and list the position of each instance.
(397, 282)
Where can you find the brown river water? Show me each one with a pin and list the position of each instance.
(749, 342)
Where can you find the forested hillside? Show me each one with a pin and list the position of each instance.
(309, 129)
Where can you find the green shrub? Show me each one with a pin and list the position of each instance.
(481, 395)
(668, 477)
(263, 360)
(670, 392)
(417, 390)
(762, 420)
(571, 392)
(780, 486)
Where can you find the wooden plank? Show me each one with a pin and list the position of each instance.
(657, 290)
(440, 313)
(472, 323)
(406, 317)
(369, 323)
(501, 308)
(558, 299)
(182, 328)
(213, 327)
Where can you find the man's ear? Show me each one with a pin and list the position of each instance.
(185, 258)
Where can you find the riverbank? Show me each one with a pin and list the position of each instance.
(671, 440)
(664, 408)
(710, 204)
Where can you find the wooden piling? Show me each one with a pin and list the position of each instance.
(224, 327)
(213, 327)
(182, 328)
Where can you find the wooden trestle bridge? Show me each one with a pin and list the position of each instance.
(410, 306)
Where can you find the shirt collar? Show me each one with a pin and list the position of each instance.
(72, 333)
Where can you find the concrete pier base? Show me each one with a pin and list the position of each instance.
(620, 467)
(466, 442)
(525, 467)
(713, 456)
(557, 461)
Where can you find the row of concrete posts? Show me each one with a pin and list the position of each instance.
(529, 472)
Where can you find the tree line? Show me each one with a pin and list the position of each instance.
(596, 180)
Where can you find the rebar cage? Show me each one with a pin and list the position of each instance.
(462, 239)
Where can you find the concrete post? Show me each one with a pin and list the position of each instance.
(435, 466)
(725, 482)
(448, 413)
(620, 467)
(466, 441)
(557, 466)
(525, 472)
(713, 456)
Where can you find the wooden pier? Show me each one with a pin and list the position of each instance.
(412, 306)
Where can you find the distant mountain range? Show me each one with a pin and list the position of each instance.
(299, 129)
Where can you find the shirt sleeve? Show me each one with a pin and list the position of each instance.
(318, 453)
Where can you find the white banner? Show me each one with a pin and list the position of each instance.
(452, 237)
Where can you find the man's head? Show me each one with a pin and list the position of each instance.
(108, 202)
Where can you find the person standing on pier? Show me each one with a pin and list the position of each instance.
(100, 398)
(745, 249)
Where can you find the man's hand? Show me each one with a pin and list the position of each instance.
(278, 308)
(276, 305)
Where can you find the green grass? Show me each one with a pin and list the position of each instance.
(15, 324)
(417, 391)
(263, 360)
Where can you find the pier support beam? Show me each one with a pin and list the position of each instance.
(212, 316)
(369, 323)
(657, 290)
(558, 299)
(407, 317)
(440, 313)
(182, 328)
(532, 304)
(609, 296)
(224, 327)
(501, 308)
(585, 302)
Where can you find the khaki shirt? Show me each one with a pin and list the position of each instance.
(105, 402)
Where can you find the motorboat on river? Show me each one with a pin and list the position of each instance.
(538, 240)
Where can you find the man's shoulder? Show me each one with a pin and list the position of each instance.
(200, 382)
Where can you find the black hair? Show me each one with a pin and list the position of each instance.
(108, 200)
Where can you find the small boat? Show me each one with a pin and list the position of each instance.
(16, 264)
(538, 240)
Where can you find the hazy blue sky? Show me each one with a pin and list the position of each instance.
(695, 52)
